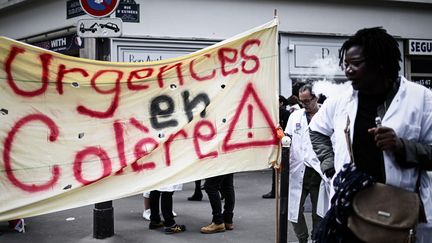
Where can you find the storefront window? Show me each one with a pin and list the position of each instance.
(421, 71)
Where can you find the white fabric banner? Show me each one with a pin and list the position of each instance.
(76, 131)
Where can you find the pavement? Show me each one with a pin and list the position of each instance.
(254, 219)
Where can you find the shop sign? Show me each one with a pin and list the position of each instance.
(62, 44)
(150, 55)
(307, 55)
(73, 9)
(128, 11)
(425, 81)
(420, 47)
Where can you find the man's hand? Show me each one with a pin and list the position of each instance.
(330, 173)
(386, 138)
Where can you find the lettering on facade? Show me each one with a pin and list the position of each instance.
(58, 42)
(148, 58)
(420, 47)
(425, 81)
(128, 11)
(73, 9)
(62, 44)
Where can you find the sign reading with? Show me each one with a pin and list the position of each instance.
(76, 131)
(62, 44)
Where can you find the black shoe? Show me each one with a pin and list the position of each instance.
(155, 225)
(177, 228)
(303, 240)
(195, 197)
(269, 195)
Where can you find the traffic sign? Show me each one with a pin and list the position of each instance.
(99, 8)
(105, 27)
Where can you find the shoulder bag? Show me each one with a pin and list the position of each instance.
(384, 213)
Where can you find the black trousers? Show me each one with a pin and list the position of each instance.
(166, 207)
(224, 184)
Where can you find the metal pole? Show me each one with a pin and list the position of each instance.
(103, 220)
(283, 201)
(277, 185)
(103, 213)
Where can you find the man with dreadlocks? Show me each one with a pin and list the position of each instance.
(395, 153)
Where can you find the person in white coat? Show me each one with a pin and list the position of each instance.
(165, 195)
(305, 174)
(395, 153)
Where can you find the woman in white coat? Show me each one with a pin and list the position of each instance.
(305, 175)
(400, 150)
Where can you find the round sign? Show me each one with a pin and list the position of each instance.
(99, 8)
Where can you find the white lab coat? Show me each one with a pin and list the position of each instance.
(409, 114)
(171, 188)
(302, 155)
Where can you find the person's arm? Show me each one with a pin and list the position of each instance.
(408, 153)
(321, 130)
(323, 148)
(414, 154)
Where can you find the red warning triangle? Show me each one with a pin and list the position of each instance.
(250, 97)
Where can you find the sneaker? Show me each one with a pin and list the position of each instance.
(155, 225)
(18, 225)
(177, 228)
(146, 214)
(229, 226)
(213, 228)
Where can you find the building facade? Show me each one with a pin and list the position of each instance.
(311, 32)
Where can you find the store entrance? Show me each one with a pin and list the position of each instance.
(421, 71)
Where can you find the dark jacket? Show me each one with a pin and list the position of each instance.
(283, 117)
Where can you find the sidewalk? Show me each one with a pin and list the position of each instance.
(254, 219)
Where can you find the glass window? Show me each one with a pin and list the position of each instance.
(421, 65)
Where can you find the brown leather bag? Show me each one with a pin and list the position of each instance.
(384, 213)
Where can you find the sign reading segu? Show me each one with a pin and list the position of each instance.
(420, 47)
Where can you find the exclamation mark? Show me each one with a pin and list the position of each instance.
(250, 116)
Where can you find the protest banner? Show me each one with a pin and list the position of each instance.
(76, 131)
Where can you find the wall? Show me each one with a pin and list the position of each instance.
(214, 20)
(224, 18)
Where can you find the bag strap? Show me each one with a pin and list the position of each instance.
(348, 139)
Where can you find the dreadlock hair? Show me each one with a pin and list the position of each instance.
(381, 50)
